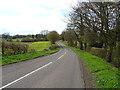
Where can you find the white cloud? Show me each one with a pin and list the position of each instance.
(33, 15)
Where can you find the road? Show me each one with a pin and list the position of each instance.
(59, 70)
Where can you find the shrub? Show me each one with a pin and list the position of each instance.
(32, 50)
(45, 50)
(9, 40)
(17, 40)
(116, 59)
(98, 45)
(8, 51)
(27, 39)
(52, 47)
(9, 48)
(101, 52)
(88, 49)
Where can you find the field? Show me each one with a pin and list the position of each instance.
(104, 74)
(38, 46)
(15, 40)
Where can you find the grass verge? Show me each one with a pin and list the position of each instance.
(26, 56)
(104, 74)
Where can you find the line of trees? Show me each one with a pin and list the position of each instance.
(95, 24)
(27, 38)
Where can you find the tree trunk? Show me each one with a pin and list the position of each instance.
(3, 44)
(2, 51)
(85, 44)
(75, 44)
(52, 42)
(118, 55)
(81, 45)
(110, 54)
(72, 44)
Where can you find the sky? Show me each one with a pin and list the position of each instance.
(33, 16)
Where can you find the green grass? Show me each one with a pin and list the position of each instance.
(26, 56)
(39, 45)
(0, 38)
(104, 74)
(15, 40)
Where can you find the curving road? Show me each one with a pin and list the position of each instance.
(59, 70)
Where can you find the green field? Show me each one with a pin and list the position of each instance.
(15, 40)
(39, 45)
(104, 74)
(34, 45)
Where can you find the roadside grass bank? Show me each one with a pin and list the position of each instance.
(104, 74)
(21, 57)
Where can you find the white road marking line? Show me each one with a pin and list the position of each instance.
(60, 56)
(65, 52)
(25, 75)
(56, 53)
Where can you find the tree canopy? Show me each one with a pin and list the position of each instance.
(95, 24)
(53, 36)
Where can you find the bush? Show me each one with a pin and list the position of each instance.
(30, 39)
(8, 51)
(9, 48)
(17, 40)
(116, 58)
(98, 45)
(32, 50)
(53, 46)
(88, 49)
(27, 40)
(101, 52)
(9, 40)
(45, 50)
